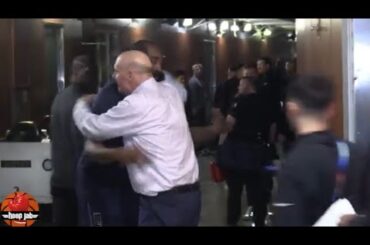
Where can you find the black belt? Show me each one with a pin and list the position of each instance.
(183, 188)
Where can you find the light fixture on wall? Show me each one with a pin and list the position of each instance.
(218, 33)
(224, 26)
(187, 22)
(140, 20)
(181, 29)
(248, 27)
(125, 21)
(212, 26)
(135, 24)
(257, 32)
(267, 32)
(318, 28)
(234, 27)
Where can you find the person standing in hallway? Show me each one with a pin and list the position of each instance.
(67, 142)
(198, 97)
(243, 155)
(227, 90)
(285, 133)
(268, 85)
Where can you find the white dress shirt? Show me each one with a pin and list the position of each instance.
(151, 118)
(178, 86)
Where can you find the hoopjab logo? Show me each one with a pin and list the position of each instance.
(19, 209)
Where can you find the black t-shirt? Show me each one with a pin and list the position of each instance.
(267, 85)
(307, 179)
(225, 94)
(251, 118)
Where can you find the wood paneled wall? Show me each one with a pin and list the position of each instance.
(24, 87)
(24, 93)
(319, 51)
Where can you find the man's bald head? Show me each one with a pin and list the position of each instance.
(134, 60)
(131, 69)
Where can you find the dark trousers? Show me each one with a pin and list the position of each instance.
(170, 209)
(105, 197)
(258, 195)
(113, 207)
(64, 208)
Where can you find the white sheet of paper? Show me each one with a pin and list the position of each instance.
(332, 215)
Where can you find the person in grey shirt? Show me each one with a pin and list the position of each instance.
(67, 142)
(198, 97)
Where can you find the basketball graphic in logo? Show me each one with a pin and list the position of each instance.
(19, 209)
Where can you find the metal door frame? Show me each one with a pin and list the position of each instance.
(349, 116)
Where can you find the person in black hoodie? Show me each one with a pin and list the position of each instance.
(307, 180)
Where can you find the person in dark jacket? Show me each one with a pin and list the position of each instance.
(243, 154)
(106, 197)
(226, 91)
(307, 180)
(268, 86)
(67, 142)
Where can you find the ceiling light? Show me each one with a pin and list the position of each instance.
(187, 22)
(267, 32)
(126, 21)
(212, 26)
(248, 27)
(234, 27)
(224, 26)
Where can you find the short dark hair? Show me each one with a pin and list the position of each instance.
(313, 92)
(143, 45)
(267, 60)
(81, 62)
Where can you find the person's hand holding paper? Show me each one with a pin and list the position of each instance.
(333, 214)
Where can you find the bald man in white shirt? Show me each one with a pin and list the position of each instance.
(151, 119)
